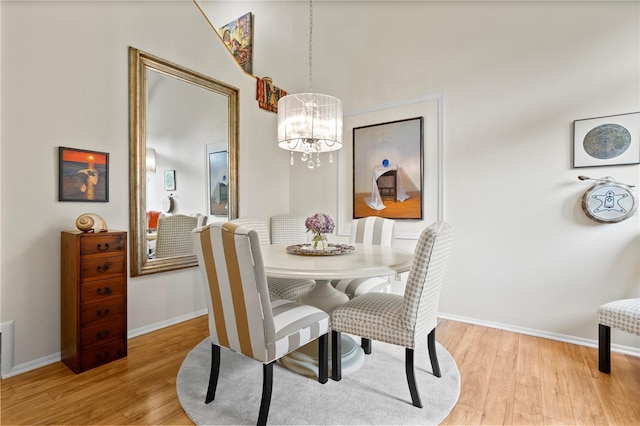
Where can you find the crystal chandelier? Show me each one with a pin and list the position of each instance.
(310, 123)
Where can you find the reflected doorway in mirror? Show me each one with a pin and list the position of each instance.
(218, 168)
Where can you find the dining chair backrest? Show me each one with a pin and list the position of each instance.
(288, 229)
(257, 225)
(174, 235)
(279, 288)
(422, 291)
(370, 230)
(202, 219)
(240, 312)
(373, 230)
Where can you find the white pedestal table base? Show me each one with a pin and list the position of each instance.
(305, 360)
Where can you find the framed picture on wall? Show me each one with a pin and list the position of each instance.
(388, 169)
(607, 141)
(169, 180)
(238, 37)
(83, 175)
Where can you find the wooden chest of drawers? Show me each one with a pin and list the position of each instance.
(94, 298)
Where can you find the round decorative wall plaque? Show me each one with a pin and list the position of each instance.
(609, 201)
(607, 141)
(168, 204)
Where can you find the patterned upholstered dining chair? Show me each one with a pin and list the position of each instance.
(279, 288)
(401, 320)
(288, 229)
(368, 230)
(242, 318)
(174, 235)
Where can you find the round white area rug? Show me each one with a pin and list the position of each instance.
(377, 393)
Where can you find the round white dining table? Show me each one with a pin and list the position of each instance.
(365, 261)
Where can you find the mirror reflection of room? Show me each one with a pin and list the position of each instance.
(184, 124)
(179, 117)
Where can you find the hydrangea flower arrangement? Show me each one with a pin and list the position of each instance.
(320, 224)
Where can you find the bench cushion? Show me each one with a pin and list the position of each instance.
(621, 314)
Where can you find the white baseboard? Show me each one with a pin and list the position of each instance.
(56, 357)
(162, 324)
(628, 350)
(32, 365)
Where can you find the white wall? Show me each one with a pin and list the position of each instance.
(513, 77)
(65, 83)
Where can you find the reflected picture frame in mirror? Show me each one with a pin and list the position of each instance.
(140, 63)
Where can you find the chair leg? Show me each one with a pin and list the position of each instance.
(336, 361)
(267, 387)
(213, 375)
(323, 358)
(604, 348)
(366, 345)
(411, 378)
(433, 356)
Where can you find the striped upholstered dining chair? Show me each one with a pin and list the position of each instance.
(242, 318)
(368, 230)
(401, 320)
(279, 288)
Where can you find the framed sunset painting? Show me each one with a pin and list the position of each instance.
(83, 175)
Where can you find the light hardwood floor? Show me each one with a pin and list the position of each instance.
(507, 378)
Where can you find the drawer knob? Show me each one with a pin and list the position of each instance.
(103, 247)
(102, 313)
(102, 334)
(103, 268)
(105, 291)
(103, 355)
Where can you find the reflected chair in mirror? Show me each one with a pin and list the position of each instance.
(202, 219)
(242, 318)
(368, 230)
(224, 192)
(401, 320)
(152, 220)
(279, 288)
(174, 236)
(622, 315)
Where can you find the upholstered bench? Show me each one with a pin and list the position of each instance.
(621, 314)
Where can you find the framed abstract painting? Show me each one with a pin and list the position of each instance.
(607, 141)
(238, 37)
(388, 169)
(169, 180)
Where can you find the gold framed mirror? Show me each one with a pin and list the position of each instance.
(176, 115)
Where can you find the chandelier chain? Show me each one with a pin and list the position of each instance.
(310, 45)
(310, 123)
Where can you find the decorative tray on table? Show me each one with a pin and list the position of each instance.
(329, 249)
